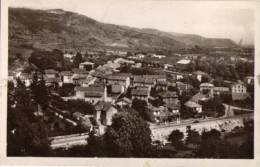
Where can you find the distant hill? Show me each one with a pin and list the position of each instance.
(192, 40)
(59, 28)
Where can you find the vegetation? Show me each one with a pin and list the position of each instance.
(176, 138)
(26, 133)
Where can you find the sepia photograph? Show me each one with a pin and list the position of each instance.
(121, 79)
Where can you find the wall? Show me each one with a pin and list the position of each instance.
(227, 124)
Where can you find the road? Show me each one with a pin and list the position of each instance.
(200, 121)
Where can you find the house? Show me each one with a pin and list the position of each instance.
(158, 56)
(114, 66)
(161, 85)
(207, 88)
(161, 114)
(92, 94)
(123, 61)
(200, 97)
(117, 89)
(168, 97)
(156, 78)
(221, 90)
(168, 66)
(50, 73)
(88, 66)
(199, 75)
(67, 77)
(79, 76)
(143, 81)
(249, 80)
(124, 102)
(239, 91)
(183, 64)
(104, 112)
(26, 78)
(53, 82)
(82, 73)
(89, 81)
(141, 93)
(122, 79)
(193, 106)
(184, 87)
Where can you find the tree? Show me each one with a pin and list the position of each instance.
(193, 136)
(176, 138)
(209, 144)
(39, 91)
(26, 133)
(128, 136)
(140, 107)
(77, 60)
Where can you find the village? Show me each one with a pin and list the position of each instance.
(163, 93)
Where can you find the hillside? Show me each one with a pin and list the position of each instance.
(58, 28)
(192, 40)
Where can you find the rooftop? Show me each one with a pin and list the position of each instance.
(50, 71)
(89, 89)
(192, 104)
(102, 105)
(168, 94)
(140, 92)
(184, 61)
(66, 73)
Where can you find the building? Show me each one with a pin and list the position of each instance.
(158, 56)
(79, 76)
(117, 89)
(207, 88)
(104, 112)
(183, 64)
(53, 82)
(88, 66)
(193, 106)
(81, 73)
(124, 102)
(249, 80)
(89, 81)
(221, 90)
(199, 75)
(143, 81)
(161, 85)
(168, 97)
(141, 93)
(26, 78)
(122, 79)
(161, 114)
(156, 78)
(67, 77)
(92, 94)
(50, 73)
(239, 91)
(184, 87)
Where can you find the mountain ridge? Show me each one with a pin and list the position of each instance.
(57, 28)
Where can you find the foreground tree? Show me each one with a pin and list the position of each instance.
(39, 91)
(193, 136)
(176, 138)
(128, 136)
(26, 133)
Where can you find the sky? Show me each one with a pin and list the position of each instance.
(215, 19)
